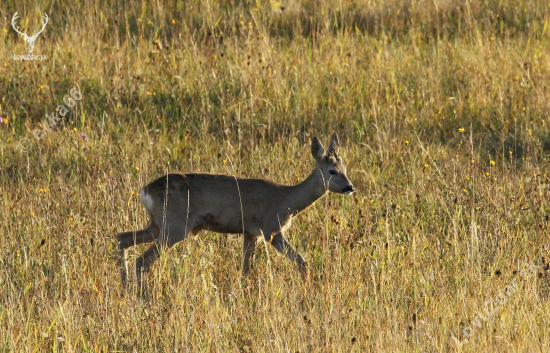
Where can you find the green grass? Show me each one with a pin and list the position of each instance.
(435, 230)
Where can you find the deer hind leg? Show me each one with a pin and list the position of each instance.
(281, 244)
(147, 235)
(128, 239)
(165, 241)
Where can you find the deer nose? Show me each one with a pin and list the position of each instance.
(348, 189)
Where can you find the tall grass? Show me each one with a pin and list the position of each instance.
(441, 110)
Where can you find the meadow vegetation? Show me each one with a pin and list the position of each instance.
(441, 109)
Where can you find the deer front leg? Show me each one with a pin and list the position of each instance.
(281, 244)
(249, 245)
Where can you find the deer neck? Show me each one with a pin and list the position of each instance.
(303, 195)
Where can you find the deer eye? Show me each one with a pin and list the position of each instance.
(332, 171)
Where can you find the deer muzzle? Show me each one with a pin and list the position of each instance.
(348, 190)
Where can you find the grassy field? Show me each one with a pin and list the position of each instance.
(441, 107)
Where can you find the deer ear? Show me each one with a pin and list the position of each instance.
(333, 146)
(317, 149)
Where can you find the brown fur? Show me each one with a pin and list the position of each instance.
(179, 204)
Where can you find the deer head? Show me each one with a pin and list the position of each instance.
(29, 41)
(331, 166)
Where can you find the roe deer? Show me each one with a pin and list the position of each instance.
(179, 204)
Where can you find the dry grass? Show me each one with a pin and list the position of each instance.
(237, 87)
